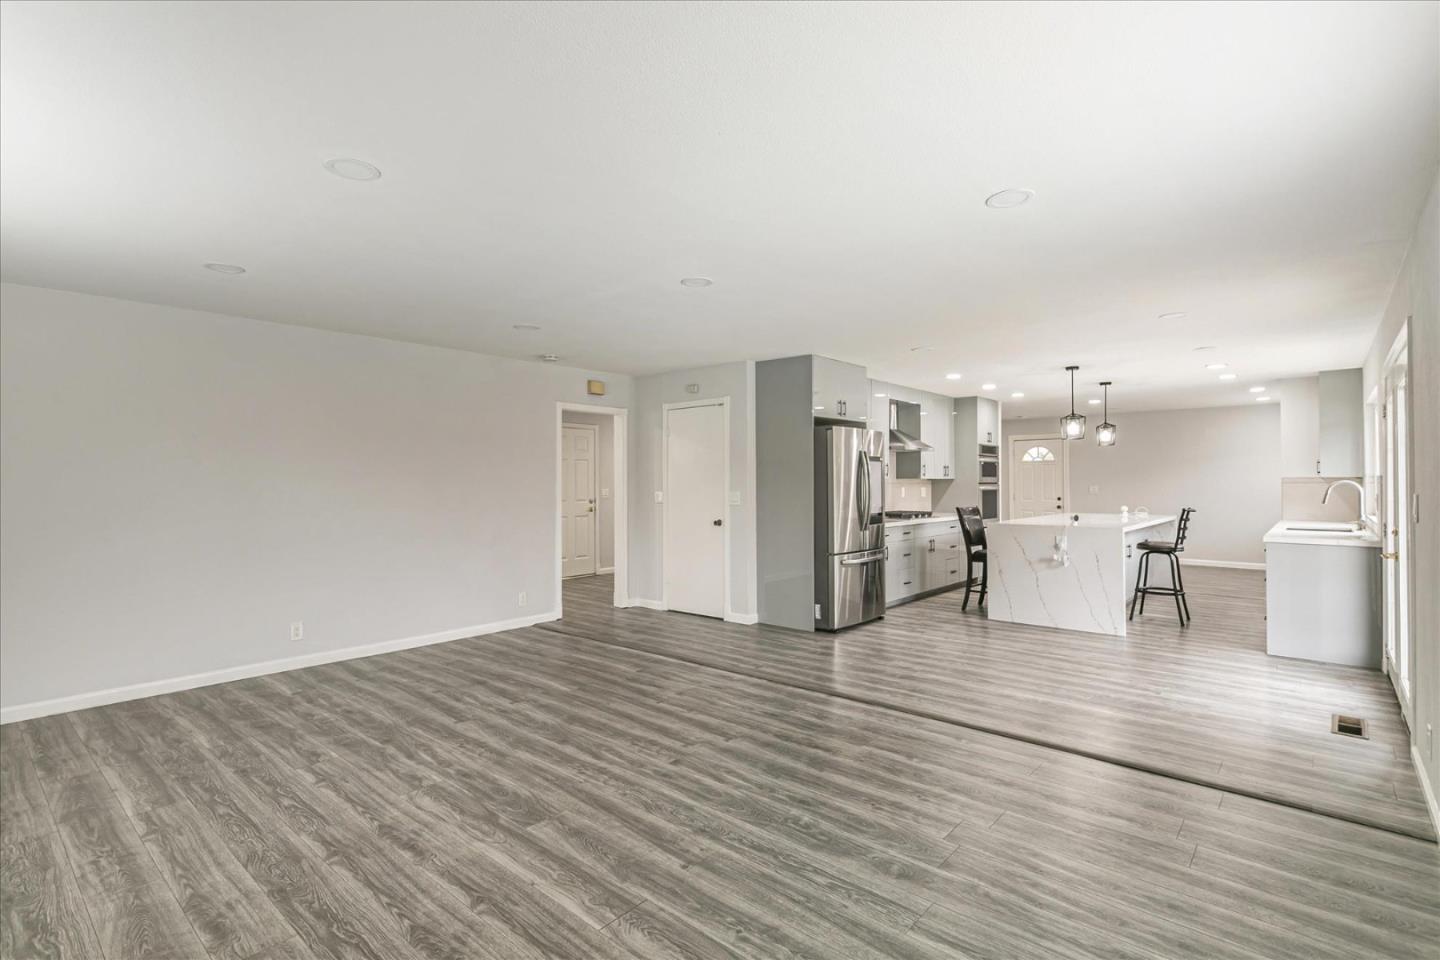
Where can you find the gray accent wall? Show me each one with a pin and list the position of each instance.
(1223, 461)
(784, 506)
(178, 487)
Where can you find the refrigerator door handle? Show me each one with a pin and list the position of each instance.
(872, 557)
(862, 485)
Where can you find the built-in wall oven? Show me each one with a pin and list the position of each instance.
(989, 470)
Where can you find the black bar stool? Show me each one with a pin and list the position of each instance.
(972, 529)
(1171, 550)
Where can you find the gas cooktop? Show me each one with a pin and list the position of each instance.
(907, 514)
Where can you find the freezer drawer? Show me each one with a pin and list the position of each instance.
(854, 590)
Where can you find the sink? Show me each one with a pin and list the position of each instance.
(1326, 527)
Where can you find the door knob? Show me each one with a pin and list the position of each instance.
(716, 522)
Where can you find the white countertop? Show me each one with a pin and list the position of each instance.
(1330, 534)
(915, 521)
(1124, 523)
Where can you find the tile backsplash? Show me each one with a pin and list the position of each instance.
(1300, 499)
(908, 495)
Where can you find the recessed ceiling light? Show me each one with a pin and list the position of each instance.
(229, 269)
(1006, 199)
(880, 395)
(527, 326)
(953, 376)
(549, 358)
(987, 386)
(352, 169)
(1181, 315)
(1261, 399)
(1258, 389)
(1017, 395)
(1227, 376)
(1216, 366)
(695, 281)
(924, 413)
(819, 408)
(918, 349)
(1094, 403)
(1201, 349)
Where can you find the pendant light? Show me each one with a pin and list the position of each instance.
(1105, 433)
(1073, 426)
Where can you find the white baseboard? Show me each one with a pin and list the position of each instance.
(1232, 564)
(600, 571)
(745, 618)
(647, 604)
(151, 688)
(1430, 803)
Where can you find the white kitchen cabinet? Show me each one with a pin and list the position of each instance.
(900, 564)
(839, 390)
(936, 429)
(1342, 423)
(1322, 432)
(987, 421)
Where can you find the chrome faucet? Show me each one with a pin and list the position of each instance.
(1360, 520)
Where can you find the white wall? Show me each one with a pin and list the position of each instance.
(605, 482)
(737, 382)
(1417, 296)
(177, 487)
(1223, 461)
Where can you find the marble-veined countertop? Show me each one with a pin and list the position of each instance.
(1124, 523)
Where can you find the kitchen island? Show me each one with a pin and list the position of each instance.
(1072, 571)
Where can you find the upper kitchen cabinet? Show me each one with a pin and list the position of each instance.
(987, 421)
(936, 429)
(1322, 425)
(1342, 423)
(839, 390)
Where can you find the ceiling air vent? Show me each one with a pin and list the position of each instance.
(1348, 726)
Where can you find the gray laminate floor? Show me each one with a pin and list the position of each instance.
(541, 794)
(1203, 702)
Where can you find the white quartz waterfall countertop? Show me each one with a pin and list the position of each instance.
(1125, 523)
(915, 521)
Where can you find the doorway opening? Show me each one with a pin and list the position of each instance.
(591, 525)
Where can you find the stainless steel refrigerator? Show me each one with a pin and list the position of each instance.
(849, 526)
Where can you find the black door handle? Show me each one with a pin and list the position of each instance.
(716, 522)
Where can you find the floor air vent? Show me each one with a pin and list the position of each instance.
(1348, 726)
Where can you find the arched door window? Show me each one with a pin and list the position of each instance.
(1037, 455)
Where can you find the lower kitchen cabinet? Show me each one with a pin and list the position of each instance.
(924, 558)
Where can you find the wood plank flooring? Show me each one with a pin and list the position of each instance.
(538, 794)
(1203, 702)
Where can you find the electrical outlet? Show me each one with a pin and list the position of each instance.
(604, 493)
(297, 631)
(734, 498)
(522, 598)
(1094, 488)
(659, 496)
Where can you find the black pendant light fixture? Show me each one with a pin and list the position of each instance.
(1073, 426)
(1105, 433)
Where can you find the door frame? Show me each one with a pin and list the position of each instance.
(594, 486)
(1399, 512)
(1008, 465)
(621, 546)
(727, 609)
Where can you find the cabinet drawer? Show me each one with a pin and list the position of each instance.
(897, 534)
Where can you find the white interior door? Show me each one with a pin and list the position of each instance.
(694, 517)
(1396, 552)
(1037, 477)
(577, 499)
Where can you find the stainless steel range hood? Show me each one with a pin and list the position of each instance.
(901, 440)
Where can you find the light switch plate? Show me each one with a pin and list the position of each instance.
(604, 493)
(734, 498)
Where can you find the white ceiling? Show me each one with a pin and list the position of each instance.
(1259, 167)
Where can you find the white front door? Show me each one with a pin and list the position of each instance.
(1037, 477)
(577, 499)
(694, 515)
